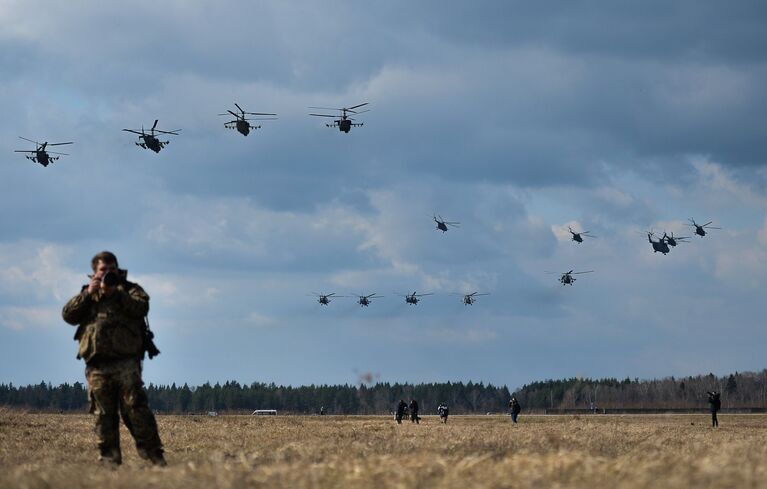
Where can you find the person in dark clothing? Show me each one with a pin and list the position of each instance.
(400, 411)
(443, 412)
(515, 409)
(716, 405)
(414, 412)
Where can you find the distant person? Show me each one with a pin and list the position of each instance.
(322, 410)
(515, 409)
(110, 314)
(443, 412)
(414, 412)
(400, 413)
(716, 404)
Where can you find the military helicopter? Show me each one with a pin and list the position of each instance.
(658, 246)
(442, 224)
(413, 299)
(674, 240)
(469, 299)
(567, 277)
(40, 155)
(344, 123)
(364, 300)
(150, 140)
(324, 299)
(242, 123)
(700, 230)
(578, 237)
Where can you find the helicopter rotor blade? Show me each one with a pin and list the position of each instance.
(235, 115)
(25, 139)
(576, 273)
(324, 115)
(704, 225)
(354, 107)
(60, 144)
(134, 132)
(174, 132)
(258, 113)
(324, 108)
(54, 153)
(155, 124)
(237, 105)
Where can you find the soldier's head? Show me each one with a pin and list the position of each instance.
(104, 262)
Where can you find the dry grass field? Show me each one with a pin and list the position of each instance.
(43, 451)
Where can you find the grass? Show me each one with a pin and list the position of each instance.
(47, 450)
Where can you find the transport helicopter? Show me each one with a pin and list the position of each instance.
(150, 140)
(700, 229)
(567, 277)
(443, 224)
(242, 123)
(40, 155)
(658, 246)
(325, 299)
(413, 299)
(364, 300)
(469, 299)
(344, 123)
(674, 240)
(578, 237)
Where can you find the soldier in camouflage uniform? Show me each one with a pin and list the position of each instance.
(110, 315)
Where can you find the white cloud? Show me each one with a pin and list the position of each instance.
(22, 318)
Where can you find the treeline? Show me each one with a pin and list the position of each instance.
(231, 396)
(739, 390)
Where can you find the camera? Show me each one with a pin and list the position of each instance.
(112, 279)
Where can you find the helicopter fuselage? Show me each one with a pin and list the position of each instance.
(577, 238)
(700, 231)
(151, 142)
(243, 127)
(412, 300)
(364, 301)
(442, 226)
(659, 246)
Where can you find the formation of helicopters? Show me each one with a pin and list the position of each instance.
(241, 123)
(664, 244)
(344, 122)
(410, 299)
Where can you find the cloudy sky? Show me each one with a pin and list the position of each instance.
(516, 120)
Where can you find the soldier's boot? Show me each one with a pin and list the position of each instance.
(154, 455)
(110, 456)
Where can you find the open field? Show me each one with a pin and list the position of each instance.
(46, 450)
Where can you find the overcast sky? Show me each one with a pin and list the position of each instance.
(517, 120)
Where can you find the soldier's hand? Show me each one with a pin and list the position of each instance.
(94, 285)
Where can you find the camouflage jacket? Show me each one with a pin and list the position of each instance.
(109, 327)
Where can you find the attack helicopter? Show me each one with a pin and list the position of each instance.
(443, 224)
(150, 140)
(413, 299)
(658, 246)
(567, 277)
(242, 123)
(578, 237)
(674, 240)
(325, 299)
(700, 229)
(469, 299)
(364, 300)
(40, 155)
(344, 123)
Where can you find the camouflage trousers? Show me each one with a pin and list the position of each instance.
(115, 388)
